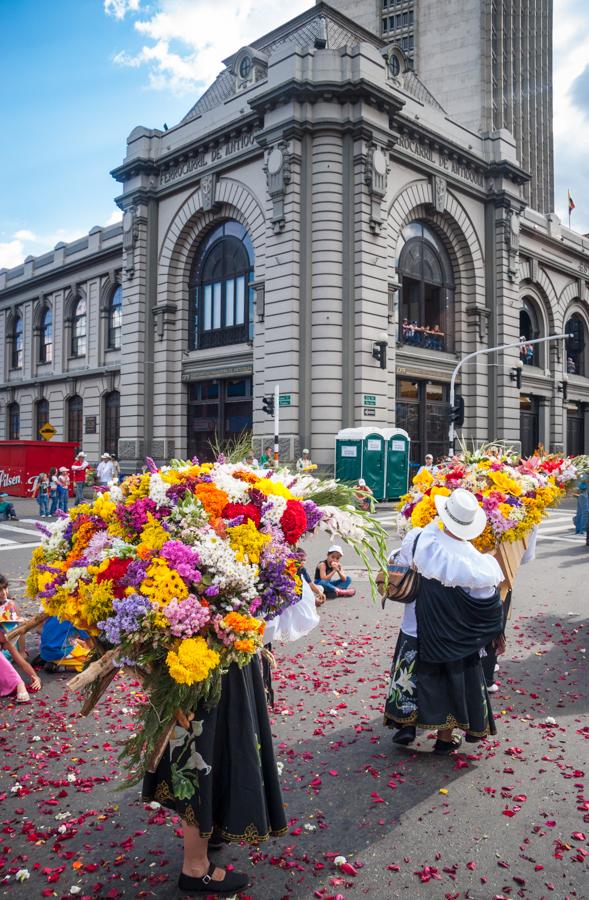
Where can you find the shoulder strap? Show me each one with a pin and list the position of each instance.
(413, 551)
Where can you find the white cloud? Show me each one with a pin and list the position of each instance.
(25, 242)
(571, 126)
(115, 217)
(186, 40)
(119, 8)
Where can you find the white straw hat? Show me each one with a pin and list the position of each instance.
(305, 451)
(335, 548)
(461, 514)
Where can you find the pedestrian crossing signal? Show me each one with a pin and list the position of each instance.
(268, 405)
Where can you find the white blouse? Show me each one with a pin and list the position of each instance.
(453, 562)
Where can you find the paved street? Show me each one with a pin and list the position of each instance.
(509, 819)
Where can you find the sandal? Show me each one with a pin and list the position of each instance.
(21, 696)
(445, 748)
(232, 883)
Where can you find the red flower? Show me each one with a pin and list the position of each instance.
(115, 571)
(293, 521)
(247, 510)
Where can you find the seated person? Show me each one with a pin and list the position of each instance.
(7, 510)
(318, 589)
(9, 617)
(363, 495)
(62, 646)
(330, 575)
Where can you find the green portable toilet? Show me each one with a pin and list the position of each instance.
(348, 454)
(374, 462)
(397, 455)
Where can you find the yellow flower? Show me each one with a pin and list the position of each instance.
(104, 507)
(135, 487)
(247, 541)
(269, 486)
(153, 535)
(423, 480)
(242, 624)
(193, 662)
(163, 584)
(34, 576)
(95, 602)
(424, 513)
(440, 492)
(505, 484)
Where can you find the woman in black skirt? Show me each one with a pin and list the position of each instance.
(437, 681)
(220, 776)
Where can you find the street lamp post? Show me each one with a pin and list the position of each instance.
(451, 429)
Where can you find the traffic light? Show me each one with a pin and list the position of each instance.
(457, 412)
(268, 404)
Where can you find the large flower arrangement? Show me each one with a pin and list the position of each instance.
(514, 492)
(174, 573)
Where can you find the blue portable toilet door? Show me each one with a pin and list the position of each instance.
(373, 464)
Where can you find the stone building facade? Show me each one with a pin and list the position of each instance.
(317, 199)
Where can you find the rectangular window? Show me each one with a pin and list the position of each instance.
(229, 303)
(405, 19)
(208, 298)
(217, 304)
(240, 300)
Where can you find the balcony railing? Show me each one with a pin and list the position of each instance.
(422, 336)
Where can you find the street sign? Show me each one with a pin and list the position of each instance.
(47, 431)
(284, 399)
(369, 412)
(369, 400)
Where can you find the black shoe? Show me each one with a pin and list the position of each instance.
(405, 735)
(232, 883)
(472, 739)
(38, 662)
(445, 748)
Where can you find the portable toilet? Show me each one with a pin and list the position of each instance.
(348, 454)
(374, 462)
(397, 456)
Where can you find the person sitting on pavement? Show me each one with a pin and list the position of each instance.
(318, 589)
(330, 575)
(63, 647)
(7, 510)
(363, 495)
(11, 683)
(9, 617)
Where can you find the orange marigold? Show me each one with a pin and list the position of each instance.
(246, 645)
(246, 476)
(212, 498)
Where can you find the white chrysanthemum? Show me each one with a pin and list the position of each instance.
(217, 555)
(157, 490)
(273, 515)
(236, 490)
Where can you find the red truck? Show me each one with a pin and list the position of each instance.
(21, 462)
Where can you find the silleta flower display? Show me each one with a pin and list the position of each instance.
(515, 493)
(175, 572)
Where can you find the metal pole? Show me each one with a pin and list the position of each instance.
(451, 429)
(276, 425)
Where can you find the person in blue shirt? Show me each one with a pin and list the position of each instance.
(581, 519)
(62, 645)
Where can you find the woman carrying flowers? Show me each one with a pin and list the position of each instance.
(437, 680)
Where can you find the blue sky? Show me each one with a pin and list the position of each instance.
(78, 75)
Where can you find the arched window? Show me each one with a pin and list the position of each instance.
(79, 328)
(112, 406)
(530, 327)
(75, 412)
(427, 290)
(13, 412)
(115, 319)
(41, 417)
(575, 345)
(221, 292)
(46, 336)
(17, 342)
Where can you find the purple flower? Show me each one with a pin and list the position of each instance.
(135, 573)
(43, 529)
(129, 614)
(313, 513)
(213, 590)
(150, 465)
(182, 558)
(187, 617)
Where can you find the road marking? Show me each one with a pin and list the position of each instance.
(576, 539)
(14, 545)
(14, 529)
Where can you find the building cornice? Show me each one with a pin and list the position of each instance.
(40, 283)
(78, 375)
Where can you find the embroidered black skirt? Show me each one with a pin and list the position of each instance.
(401, 703)
(454, 695)
(222, 773)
